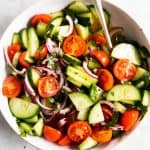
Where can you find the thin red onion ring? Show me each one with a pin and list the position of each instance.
(117, 128)
(28, 86)
(20, 72)
(111, 105)
(86, 69)
(50, 45)
(46, 69)
(37, 99)
(69, 19)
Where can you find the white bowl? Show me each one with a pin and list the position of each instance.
(118, 17)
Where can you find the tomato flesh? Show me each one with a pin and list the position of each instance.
(51, 134)
(106, 80)
(79, 130)
(12, 49)
(74, 45)
(40, 18)
(12, 87)
(22, 60)
(98, 38)
(129, 119)
(124, 70)
(102, 57)
(48, 86)
(102, 135)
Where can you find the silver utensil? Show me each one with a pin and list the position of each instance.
(99, 8)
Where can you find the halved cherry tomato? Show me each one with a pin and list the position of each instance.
(12, 87)
(106, 79)
(102, 57)
(79, 130)
(64, 141)
(40, 18)
(124, 70)
(22, 60)
(48, 86)
(129, 119)
(74, 45)
(51, 134)
(12, 49)
(42, 53)
(108, 112)
(98, 38)
(102, 135)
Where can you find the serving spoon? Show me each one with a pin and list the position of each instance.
(99, 8)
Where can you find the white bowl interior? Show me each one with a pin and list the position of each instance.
(118, 17)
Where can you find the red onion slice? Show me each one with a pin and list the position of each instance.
(117, 128)
(28, 86)
(65, 111)
(62, 122)
(111, 105)
(46, 69)
(20, 72)
(37, 99)
(67, 88)
(69, 19)
(50, 45)
(61, 77)
(86, 69)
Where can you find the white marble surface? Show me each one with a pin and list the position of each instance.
(10, 9)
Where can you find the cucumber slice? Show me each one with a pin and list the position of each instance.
(93, 64)
(38, 127)
(83, 114)
(120, 107)
(32, 120)
(16, 39)
(144, 52)
(24, 38)
(146, 98)
(54, 34)
(79, 75)
(83, 31)
(97, 23)
(26, 98)
(57, 21)
(96, 114)
(33, 42)
(126, 51)
(130, 102)
(78, 7)
(88, 143)
(25, 128)
(22, 109)
(16, 58)
(124, 92)
(71, 60)
(139, 73)
(28, 58)
(41, 29)
(95, 93)
(34, 76)
(73, 81)
(80, 100)
(86, 19)
(57, 14)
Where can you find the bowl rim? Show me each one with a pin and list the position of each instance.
(28, 139)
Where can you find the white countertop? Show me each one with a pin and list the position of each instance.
(11, 8)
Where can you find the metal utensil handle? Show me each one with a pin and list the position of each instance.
(99, 8)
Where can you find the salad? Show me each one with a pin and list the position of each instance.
(63, 83)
